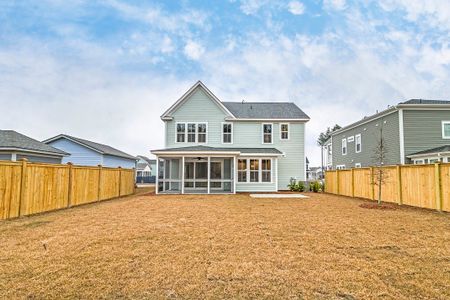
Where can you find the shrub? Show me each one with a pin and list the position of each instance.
(314, 186)
(295, 186)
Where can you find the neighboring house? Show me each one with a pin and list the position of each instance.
(15, 146)
(227, 147)
(87, 153)
(316, 173)
(145, 170)
(416, 131)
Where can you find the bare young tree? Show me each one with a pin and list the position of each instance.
(379, 157)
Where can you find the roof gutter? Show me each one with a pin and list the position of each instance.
(431, 154)
(33, 151)
(266, 120)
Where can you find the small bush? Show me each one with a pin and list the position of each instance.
(314, 186)
(295, 186)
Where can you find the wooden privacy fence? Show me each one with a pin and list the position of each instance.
(30, 188)
(426, 186)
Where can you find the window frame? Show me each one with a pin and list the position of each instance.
(176, 132)
(231, 134)
(288, 131)
(340, 167)
(344, 140)
(443, 123)
(196, 132)
(205, 133)
(245, 171)
(358, 165)
(356, 143)
(260, 171)
(262, 133)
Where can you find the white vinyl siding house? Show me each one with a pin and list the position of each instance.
(256, 152)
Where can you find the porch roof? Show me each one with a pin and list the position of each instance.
(433, 151)
(215, 150)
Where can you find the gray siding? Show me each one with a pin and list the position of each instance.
(39, 159)
(423, 129)
(369, 137)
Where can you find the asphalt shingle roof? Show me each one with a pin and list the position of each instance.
(445, 148)
(265, 110)
(148, 160)
(424, 101)
(10, 139)
(104, 149)
(223, 149)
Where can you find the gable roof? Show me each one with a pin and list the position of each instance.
(425, 101)
(100, 148)
(148, 160)
(266, 110)
(167, 114)
(12, 140)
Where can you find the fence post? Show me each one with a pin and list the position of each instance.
(23, 185)
(120, 179)
(437, 182)
(99, 191)
(337, 181)
(353, 182)
(399, 182)
(372, 182)
(69, 199)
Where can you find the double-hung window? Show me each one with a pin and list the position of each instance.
(242, 170)
(358, 143)
(266, 170)
(201, 133)
(227, 133)
(191, 132)
(254, 170)
(344, 146)
(446, 129)
(284, 131)
(267, 133)
(181, 132)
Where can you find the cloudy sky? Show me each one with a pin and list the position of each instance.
(106, 70)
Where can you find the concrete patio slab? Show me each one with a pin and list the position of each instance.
(278, 196)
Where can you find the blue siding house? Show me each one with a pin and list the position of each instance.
(88, 153)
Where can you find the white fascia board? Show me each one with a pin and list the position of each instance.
(167, 113)
(435, 154)
(267, 120)
(262, 154)
(425, 106)
(369, 119)
(195, 153)
(63, 136)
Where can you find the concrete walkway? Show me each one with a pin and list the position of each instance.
(278, 196)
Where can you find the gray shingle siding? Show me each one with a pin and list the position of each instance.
(369, 138)
(423, 129)
(5, 156)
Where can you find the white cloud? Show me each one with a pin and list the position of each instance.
(335, 4)
(193, 50)
(296, 7)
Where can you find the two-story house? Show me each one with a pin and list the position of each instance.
(416, 132)
(227, 147)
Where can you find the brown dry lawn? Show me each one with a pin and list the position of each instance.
(230, 246)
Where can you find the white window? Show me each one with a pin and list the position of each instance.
(266, 170)
(340, 167)
(267, 133)
(357, 165)
(351, 139)
(446, 129)
(434, 160)
(419, 161)
(227, 133)
(191, 132)
(254, 170)
(201, 138)
(284, 131)
(358, 143)
(242, 170)
(344, 146)
(181, 132)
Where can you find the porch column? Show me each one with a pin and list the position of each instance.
(157, 176)
(235, 172)
(209, 174)
(182, 174)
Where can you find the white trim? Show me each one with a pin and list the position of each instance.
(235, 174)
(351, 139)
(358, 165)
(356, 143)
(157, 176)
(443, 130)
(70, 139)
(401, 136)
(13, 156)
(340, 167)
(247, 170)
(186, 132)
(367, 120)
(195, 153)
(288, 131)
(276, 174)
(232, 132)
(426, 155)
(34, 152)
(208, 175)
(182, 174)
(185, 96)
(262, 133)
(261, 154)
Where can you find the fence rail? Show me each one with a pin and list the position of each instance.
(426, 186)
(30, 188)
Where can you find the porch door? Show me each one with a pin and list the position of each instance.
(196, 174)
(216, 174)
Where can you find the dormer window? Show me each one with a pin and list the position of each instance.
(267, 133)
